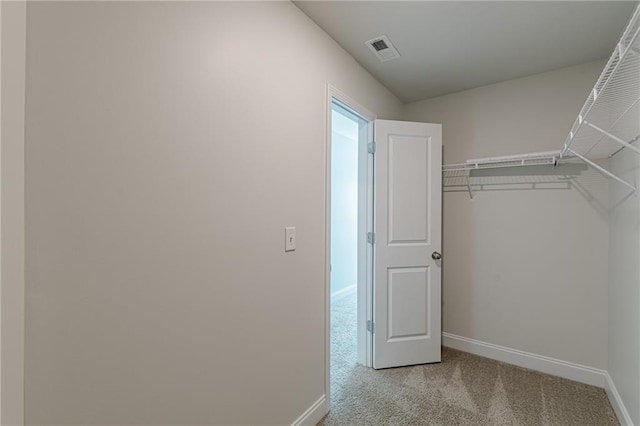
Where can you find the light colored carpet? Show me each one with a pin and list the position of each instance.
(462, 390)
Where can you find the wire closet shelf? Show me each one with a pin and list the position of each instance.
(462, 172)
(608, 122)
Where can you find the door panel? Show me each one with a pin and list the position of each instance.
(407, 304)
(407, 282)
(407, 187)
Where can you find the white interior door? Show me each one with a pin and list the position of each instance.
(407, 226)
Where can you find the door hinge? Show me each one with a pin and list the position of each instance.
(371, 147)
(371, 327)
(371, 237)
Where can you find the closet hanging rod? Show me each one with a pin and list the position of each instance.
(635, 139)
(613, 137)
(613, 125)
(603, 170)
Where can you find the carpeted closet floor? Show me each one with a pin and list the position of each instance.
(462, 390)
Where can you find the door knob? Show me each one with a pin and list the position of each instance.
(436, 256)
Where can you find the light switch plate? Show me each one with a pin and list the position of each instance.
(289, 238)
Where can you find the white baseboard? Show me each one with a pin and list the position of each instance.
(616, 402)
(556, 367)
(341, 294)
(314, 414)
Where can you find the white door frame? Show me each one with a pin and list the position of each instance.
(364, 292)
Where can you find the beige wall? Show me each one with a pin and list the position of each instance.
(624, 288)
(524, 268)
(168, 145)
(13, 26)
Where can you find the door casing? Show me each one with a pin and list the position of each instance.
(364, 288)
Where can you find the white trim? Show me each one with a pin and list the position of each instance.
(616, 402)
(342, 293)
(314, 414)
(364, 345)
(544, 364)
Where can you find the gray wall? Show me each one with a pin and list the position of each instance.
(624, 284)
(168, 145)
(13, 24)
(524, 267)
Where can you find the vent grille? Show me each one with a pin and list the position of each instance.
(383, 48)
(379, 45)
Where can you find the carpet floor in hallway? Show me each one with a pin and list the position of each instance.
(463, 389)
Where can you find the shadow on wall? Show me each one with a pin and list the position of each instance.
(496, 241)
(514, 178)
(577, 176)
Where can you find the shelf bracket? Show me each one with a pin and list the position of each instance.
(469, 185)
(604, 171)
(613, 137)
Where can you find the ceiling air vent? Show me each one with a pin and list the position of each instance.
(382, 48)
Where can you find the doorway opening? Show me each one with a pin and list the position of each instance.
(350, 196)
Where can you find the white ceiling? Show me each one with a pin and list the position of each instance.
(451, 46)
